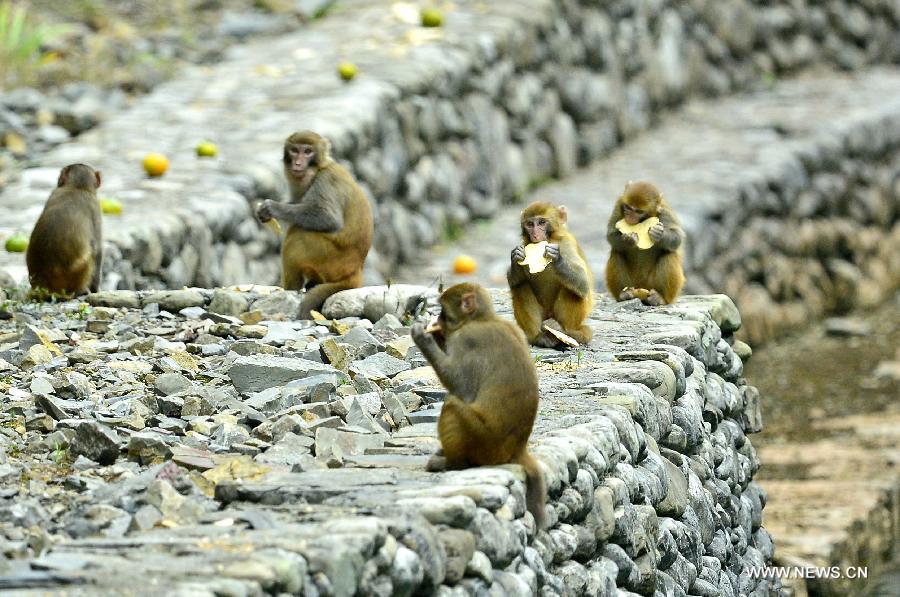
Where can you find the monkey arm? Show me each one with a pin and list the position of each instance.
(617, 240)
(451, 371)
(517, 274)
(673, 235)
(322, 206)
(570, 269)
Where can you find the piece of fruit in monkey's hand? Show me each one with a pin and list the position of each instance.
(535, 257)
(642, 229)
(274, 226)
(561, 336)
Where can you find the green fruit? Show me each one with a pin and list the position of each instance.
(347, 70)
(432, 17)
(207, 149)
(17, 243)
(111, 206)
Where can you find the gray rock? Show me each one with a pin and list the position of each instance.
(379, 367)
(375, 302)
(167, 384)
(175, 300)
(228, 302)
(95, 441)
(258, 372)
(282, 304)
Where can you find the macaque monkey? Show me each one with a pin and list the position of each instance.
(651, 274)
(564, 290)
(65, 252)
(487, 369)
(329, 223)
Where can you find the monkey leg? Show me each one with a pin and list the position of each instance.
(468, 439)
(292, 279)
(528, 312)
(315, 296)
(617, 276)
(570, 310)
(667, 277)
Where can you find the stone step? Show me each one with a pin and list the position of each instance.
(790, 198)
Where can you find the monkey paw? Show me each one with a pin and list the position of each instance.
(264, 211)
(627, 294)
(437, 463)
(656, 299)
(656, 232)
(552, 252)
(518, 254)
(418, 334)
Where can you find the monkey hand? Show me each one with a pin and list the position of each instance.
(657, 232)
(419, 335)
(552, 252)
(518, 254)
(264, 211)
(630, 238)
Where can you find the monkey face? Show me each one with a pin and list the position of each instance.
(298, 158)
(633, 215)
(537, 229)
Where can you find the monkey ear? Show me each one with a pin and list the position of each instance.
(563, 214)
(468, 303)
(327, 145)
(98, 177)
(62, 177)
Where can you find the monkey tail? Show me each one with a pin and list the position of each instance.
(536, 488)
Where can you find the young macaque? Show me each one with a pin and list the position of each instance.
(329, 223)
(65, 252)
(645, 260)
(486, 366)
(561, 289)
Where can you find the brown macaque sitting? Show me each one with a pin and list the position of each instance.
(65, 252)
(563, 290)
(644, 264)
(485, 364)
(330, 223)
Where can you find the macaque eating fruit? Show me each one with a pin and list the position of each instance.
(645, 240)
(485, 364)
(549, 278)
(65, 252)
(329, 223)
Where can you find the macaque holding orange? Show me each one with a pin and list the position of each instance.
(646, 239)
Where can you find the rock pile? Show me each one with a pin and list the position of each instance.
(210, 443)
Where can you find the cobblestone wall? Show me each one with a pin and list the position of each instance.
(209, 456)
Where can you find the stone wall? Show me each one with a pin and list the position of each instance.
(211, 456)
(813, 232)
(580, 79)
(442, 127)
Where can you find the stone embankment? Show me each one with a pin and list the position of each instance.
(441, 125)
(204, 442)
(790, 199)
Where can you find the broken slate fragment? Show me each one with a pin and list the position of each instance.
(95, 441)
(379, 367)
(255, 373)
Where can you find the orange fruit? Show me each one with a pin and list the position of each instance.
(156, 164)
(464, 264)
